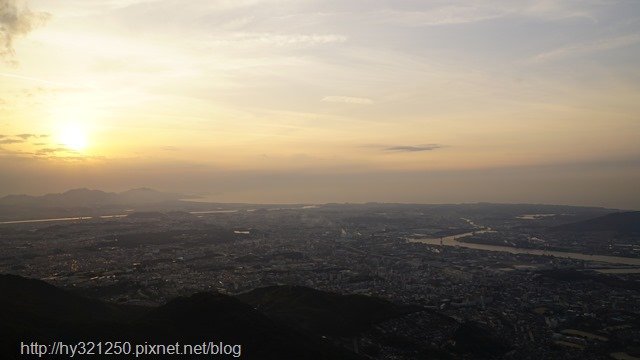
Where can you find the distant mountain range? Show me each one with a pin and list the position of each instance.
(624, 223)
(90, 198)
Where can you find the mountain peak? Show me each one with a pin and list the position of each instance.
(84, 197)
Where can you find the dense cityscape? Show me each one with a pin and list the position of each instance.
(520, 305)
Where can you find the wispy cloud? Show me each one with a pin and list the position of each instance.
(348, 100)
(48, 151)
(447, 15)
(465, 12)
(16, 20)
(588, 48)
(413, 148)
(11, 141)
(17, 139)
(280, 40)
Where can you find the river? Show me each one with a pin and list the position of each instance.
(453, 241)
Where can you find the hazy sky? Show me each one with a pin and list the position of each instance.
(318, 101)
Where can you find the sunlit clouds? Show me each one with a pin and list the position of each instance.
(222, 89)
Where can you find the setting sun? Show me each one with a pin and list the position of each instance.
(74, 138)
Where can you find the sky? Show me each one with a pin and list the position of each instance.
(284, 101)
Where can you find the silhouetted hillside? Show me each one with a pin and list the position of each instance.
(474, 338)
(624, 223)
(214, 316)
(32, 310)
(320, 312)
(40, 303)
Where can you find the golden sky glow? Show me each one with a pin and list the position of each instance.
(214, 91)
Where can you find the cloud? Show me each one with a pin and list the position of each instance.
(348, 100)
(47, 151)
(11, 141)
(16, 20)
(465, 12)
(588, 48)
(16, 139)
(446, 15)
(280, 40)
(416, 148)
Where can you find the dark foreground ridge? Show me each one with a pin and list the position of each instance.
(33, 310)
(276, 322)
(323, 313)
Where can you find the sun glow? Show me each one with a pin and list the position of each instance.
(73, 137)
